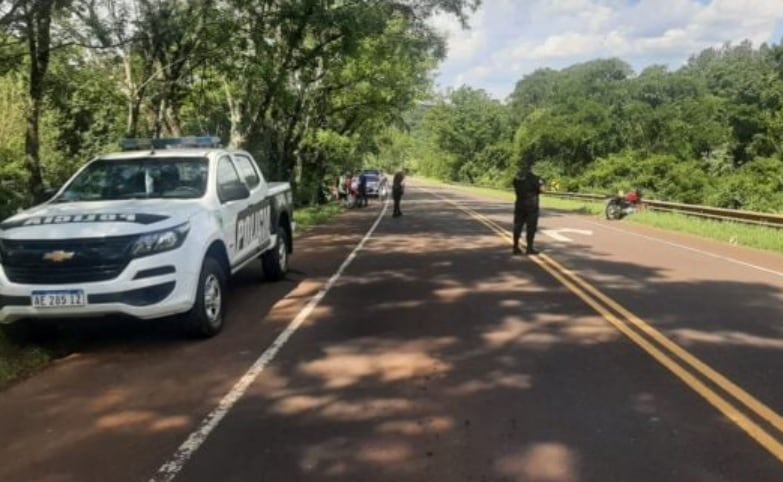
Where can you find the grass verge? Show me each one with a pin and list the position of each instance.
(21, 359)
(311, 216)
(759, 237)
(17, 361)
(573, 205)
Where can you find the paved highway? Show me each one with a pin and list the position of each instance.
(418, 349)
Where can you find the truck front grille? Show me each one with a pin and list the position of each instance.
(79, 260)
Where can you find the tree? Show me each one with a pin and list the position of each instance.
(34, 22)
(304, 84)
(465, 125)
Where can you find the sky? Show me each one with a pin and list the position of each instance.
(508, 39)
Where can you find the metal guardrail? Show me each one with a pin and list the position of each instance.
(695, 210)
(769, 220)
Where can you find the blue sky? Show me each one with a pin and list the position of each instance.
(511, 38)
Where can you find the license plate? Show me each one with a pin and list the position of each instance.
(59, 299)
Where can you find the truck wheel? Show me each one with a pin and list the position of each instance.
(275, 260)
(205, 319)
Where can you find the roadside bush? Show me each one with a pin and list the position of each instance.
(754, 186)
(617, 172)
(660, 176)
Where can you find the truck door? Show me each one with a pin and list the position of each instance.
(234, 198)
(258, 231)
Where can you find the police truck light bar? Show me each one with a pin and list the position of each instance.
(170, 142)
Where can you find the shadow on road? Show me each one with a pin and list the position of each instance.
(436, 357)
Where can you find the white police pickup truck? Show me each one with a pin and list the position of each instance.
(150, 232)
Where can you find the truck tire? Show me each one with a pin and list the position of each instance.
(275, 260)
(205, 319)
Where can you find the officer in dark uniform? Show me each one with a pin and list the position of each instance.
(398, 188)
(527, 187)
(362, 188)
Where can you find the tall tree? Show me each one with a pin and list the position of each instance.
(35, 24)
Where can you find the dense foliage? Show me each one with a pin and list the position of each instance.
(307, 86)
(313, 87)
(710, 132)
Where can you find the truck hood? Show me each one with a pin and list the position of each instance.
(97, 218)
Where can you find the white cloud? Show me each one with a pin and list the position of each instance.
(462, 44)
(510, 38)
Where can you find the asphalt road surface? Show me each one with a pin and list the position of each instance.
(418, 349)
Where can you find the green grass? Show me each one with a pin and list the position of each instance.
(311, 216)
(19, 361)
(759, 237)
(573, 205)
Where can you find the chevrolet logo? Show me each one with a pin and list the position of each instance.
(58, 256)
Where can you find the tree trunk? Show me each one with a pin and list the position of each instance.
(32, 149)
(38, 25)
(160, 112)
(173, 121)
(134, 112)
(134, 97)
(237, 133)
(320, 168)
(237, 137)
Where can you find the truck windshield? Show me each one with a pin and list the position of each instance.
(140, 178)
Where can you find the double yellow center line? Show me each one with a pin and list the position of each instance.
(718, 390)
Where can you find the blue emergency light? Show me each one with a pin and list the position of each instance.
(170, 142)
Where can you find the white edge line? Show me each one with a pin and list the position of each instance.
(169, 470)
(689, 248)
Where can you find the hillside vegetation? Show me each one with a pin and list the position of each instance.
(708, 133)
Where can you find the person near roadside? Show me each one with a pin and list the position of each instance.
(350, 198)
(362, 190)
(398, 189)
(342, 190)
(527, 187)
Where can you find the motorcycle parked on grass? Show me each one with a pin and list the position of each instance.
(617, 207)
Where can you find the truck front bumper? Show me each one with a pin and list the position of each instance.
(150, 287)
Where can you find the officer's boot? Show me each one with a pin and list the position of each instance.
(516, 249)
(529, 240)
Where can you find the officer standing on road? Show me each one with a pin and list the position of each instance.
(362, 188)
(527, 187)
(398, 188)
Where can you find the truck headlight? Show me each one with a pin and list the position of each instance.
(160, 241)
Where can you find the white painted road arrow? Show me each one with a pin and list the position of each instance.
(557, 235)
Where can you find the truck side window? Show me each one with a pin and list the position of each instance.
(247, 170)
(227, 177)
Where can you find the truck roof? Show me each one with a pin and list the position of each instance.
(193, 146)
(163, 153)
(184, 152)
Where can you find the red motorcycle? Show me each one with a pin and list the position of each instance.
(620, 206)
